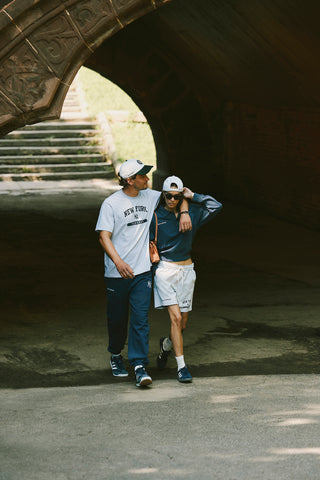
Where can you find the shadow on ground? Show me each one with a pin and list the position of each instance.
(256, 307)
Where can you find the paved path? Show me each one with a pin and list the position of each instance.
(233, 428)
(252, 344)
(23, 189)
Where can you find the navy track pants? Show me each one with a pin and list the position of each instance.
(134, 296)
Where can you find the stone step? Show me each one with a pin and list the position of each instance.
(72, 94)
(44, 159)
(53, 133)
(63, 124)
(56, 176)
(71, 98)
(57, 150)
(71, 148)
(72, 110)
(72, 105)
(54, 168)
(49, 142)
(71, 115)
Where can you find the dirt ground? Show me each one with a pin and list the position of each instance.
(256, 305)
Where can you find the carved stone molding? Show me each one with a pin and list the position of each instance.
(43, 43)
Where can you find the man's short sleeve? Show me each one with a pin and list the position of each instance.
(156, 197)
(106, 218)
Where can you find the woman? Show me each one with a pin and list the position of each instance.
(175, 276)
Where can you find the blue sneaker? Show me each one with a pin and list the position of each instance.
(117, 366)
(163, 355)
(184, 375)
(142, 378)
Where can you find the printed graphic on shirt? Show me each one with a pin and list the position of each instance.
(137, 222)
(133, 212)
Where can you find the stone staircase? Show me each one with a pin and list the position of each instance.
(71, 148)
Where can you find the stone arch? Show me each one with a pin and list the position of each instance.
(230, 89)
(43, 43)
(173, 110)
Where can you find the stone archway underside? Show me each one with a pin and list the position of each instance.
(44, 42)
(230, 89)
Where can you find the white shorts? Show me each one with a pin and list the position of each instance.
(174, 285)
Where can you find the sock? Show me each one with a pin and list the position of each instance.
(180, 362)
(137, 366)
(167, 344)
(115, 354)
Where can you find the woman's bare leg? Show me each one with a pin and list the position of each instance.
(176, 329)
(178, 324)
(185, 316)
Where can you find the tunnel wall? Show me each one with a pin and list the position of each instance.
(272, 160)
(230, 89)
(173, 110)
(262, 156)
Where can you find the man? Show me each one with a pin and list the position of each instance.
(123, 227)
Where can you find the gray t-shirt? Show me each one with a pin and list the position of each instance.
(128, 219)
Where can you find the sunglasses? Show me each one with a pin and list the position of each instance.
(175, 197)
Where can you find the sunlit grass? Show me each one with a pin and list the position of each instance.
(132, 140)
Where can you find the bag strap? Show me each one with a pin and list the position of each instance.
(156, 231)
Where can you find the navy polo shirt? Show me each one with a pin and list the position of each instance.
(175, 246)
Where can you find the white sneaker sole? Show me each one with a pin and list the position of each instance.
(189, 380)
(120, 374)
(144, 382)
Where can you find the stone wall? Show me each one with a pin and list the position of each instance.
(272, 160)
(43, 43)
(230, 89)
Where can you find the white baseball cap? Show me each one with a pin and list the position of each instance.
(169, 181)
(133, 167)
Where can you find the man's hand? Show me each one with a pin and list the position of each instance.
(187, 193)
(124, 269)
(185, 224)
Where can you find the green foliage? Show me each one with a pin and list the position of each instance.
(132, 140)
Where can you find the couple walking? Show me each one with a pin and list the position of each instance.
(125, 224)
